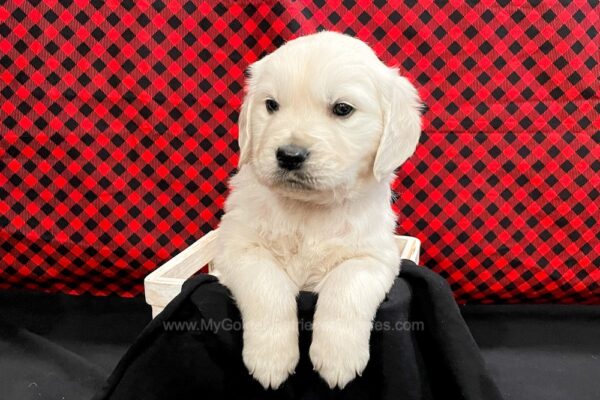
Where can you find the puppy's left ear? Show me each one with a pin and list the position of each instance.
(401, 126)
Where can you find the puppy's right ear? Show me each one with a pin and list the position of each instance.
(244, 120)
(244, 130)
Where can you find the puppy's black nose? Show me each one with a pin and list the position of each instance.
(291, 157)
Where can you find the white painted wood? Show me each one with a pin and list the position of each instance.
(164, 283)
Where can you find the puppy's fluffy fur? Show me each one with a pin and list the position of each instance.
(326, 227)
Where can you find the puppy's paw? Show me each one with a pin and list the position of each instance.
(338, 352)
(271, 355)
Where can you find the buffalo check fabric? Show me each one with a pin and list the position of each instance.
(118, 133)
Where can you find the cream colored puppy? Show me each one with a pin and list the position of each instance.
(323, 127)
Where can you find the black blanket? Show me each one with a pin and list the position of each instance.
(420, 349)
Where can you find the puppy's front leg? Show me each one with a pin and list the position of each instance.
(348, 300)
(266, 298)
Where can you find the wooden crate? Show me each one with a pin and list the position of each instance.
(164, 283)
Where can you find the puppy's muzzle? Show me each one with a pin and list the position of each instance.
(291, 157)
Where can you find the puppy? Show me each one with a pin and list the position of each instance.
(323, 126)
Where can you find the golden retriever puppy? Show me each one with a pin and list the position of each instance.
(323, 126)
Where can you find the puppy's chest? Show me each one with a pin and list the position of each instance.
(307, 260)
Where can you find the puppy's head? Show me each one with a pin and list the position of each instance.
(323, 116)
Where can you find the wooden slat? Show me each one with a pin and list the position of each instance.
(164, 283)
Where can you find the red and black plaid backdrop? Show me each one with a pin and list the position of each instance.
(117, 135)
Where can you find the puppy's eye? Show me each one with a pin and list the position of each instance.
(271, 105)
(342, 109)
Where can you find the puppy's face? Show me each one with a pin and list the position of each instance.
(323, 116)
